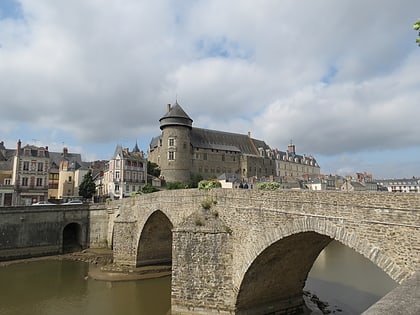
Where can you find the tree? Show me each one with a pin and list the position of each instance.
(87, 186)
(416, 27)
(153, 169)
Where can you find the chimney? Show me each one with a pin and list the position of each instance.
(168, 108)
(46, 148)
(65, 151)
(19, 145)
(249, 134)
(291, 148)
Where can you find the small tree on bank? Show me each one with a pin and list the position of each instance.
(87, 186)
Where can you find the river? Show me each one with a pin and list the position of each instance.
(340, 276)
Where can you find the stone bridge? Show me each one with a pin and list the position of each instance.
(249, 252)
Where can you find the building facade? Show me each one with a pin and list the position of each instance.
(6, 174)
(125, 173)
(66, 174)
(402, 185)
(30, 174)
(183, 151)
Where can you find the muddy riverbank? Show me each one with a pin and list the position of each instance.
(105, 270)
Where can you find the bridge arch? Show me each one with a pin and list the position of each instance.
(155, 241)
(72, 237)
(299, 244)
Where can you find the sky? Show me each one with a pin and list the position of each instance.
(339, 79)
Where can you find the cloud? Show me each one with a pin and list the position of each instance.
(334, 76)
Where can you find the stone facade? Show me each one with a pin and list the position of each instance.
(40, 230)
(183, 151)
(217, 251)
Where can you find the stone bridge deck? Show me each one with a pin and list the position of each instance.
(261, 241)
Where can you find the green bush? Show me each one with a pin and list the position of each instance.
(268, 186)
(176, 185)
(195, 179)
(209, 184)
(147, 189)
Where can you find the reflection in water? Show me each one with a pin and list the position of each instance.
(347, 280)
(340, 276)
(61, 287)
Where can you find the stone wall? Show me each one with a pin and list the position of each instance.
(101, 225)
(38, 231)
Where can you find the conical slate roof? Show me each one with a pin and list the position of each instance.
(175, 116)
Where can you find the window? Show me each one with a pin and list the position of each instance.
(204, 156)
(7, 181)
(24, 181)
(26, 165)
(171, 142)
(40, 167)
(117, 174)
(171, 156)
(117, 188)
(69, 180)
(223, 157)
(39, 182)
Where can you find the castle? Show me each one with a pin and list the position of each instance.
(183, 151)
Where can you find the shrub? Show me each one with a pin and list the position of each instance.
(209, 184)
(176, 185)
(207, 203)
(195, 179)
(268, 185)
(147, 189)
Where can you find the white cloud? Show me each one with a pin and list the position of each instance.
(334, 76)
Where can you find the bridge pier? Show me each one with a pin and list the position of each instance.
(125, 242)
(202, 267)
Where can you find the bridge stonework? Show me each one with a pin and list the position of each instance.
(249, 252)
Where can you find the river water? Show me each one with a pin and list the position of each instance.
(340, 276)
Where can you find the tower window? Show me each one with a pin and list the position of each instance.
(171, 156)
(171, 142)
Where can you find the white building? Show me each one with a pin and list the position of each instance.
(125, 173)
(404, 185)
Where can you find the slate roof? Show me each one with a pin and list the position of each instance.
(125, 154)
(75, 160)
(175, 116)
(6, 165)
(221, 140)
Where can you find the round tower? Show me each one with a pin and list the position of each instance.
(175, 157)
